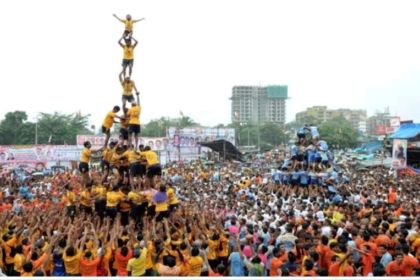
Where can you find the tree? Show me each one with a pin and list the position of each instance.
(272, 134)
(339, 133)
(13, 127)
(61, 128)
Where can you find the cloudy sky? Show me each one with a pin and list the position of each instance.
(63, 55)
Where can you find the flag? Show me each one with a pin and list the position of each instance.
(160, 123)
(49, 140)
(181, 113)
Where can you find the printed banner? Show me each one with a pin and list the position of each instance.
(39, 153)
(191, 136)
(98, 141)
(36, 166)
(399, 154)
(395, 122)
(380, 130)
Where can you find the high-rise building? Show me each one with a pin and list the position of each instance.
(320, 114)
(254, 104)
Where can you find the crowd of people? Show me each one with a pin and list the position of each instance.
(135, 217)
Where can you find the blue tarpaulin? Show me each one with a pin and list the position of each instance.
(369, 147)
(407, 131)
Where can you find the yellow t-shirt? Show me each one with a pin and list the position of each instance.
(72, 264)
(113, 199)
(138, 266)
(161, 206)
(151, 157)
(128, 52)
(86, 155)
(109, 119)
(124, 123)
(71, 198)
(133, 156)
(124, 206)
(128, 24)
(127, 87)
(134, 114)
(212, 255)
(100, 192)
(85, 198)
(196, 264)
(225, 246)
(115, 160)
(136, 197)
(107, 155)
(19, 260)
(172, 199)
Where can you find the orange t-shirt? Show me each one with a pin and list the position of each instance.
(367, 261)
(275, 263)
(334, 270)
(122, 263)
(213, 274)
(409, 264)
(37, 263)
(89, 268)
(393, 269)
(309, 273)
(382, 239)
(348, 271)
(392, 197)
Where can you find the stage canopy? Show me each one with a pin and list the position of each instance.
(407, 131)
(223, 146)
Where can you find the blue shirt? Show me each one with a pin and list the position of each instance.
(386, 259)
(302, 130)
(323, 144)
(237, 265)
(294, 151)
(304, 178)
(295, 175)
(314, 131)
(24, 191)
(59, 268)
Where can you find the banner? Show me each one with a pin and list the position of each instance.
(98, 141)
(399, 154)
(395, 122)
(36, 166)
(390, 130)
(39, 153)
(380, 130)
(191, 136)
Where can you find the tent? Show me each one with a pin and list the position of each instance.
(225, 148)
(369, 147)
(407, 131)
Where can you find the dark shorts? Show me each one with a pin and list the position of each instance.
(128, 62)
(124, 133)
(124, 170)
(83, 167)
(104, 166)
(86, 209)
(105, 130)
(173, 207)
(134, 128)
(300, 157)
(100, 206)
(151, 211)
(154, 170)
(137, 211)
(135, 169)
(129, 98)
(71, 211)
(111, 212)
(162, 215)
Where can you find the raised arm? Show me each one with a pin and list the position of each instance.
(117, 17)
(119, 42)
(135, 42)
(137, 20)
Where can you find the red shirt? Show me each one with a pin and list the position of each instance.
(393, 269)
(122, 263)
(409, 264)
(89, 268)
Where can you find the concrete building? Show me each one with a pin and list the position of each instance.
(320, 114)
(254, 104)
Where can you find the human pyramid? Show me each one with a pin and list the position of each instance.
(310, 161)
(125, 162)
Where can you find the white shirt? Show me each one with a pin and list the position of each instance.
(320, 216)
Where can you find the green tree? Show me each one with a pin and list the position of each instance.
(272, 134)
(62, 128)
(338, 133)
(14, 130)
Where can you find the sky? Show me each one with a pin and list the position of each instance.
(64, 56)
